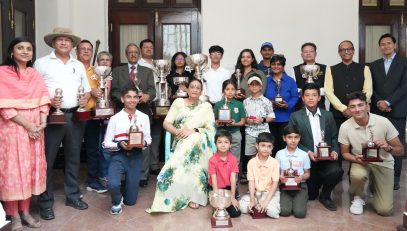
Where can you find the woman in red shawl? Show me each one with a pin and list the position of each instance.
(24, 105)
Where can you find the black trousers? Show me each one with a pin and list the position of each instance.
(276, 129)
(325, 174)
(400, 125)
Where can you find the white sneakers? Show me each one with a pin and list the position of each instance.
(357, 205)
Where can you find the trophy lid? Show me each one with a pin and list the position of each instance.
(102, 70)
(162, 63)
(196, 60)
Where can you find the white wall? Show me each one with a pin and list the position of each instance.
(233, 24)
(240, 24)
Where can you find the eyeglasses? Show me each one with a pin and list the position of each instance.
(179, 59)
(351, 49)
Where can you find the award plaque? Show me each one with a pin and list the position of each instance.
(57, 117)
(220, 199)
(81, 114)
(278, 97)
(136, 137)
(160, 111)
(239, 90)
(224, 114)
(290, 175)
(256, 214)
(103, 109)
(323, 149)
(370, 151)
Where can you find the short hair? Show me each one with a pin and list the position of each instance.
(146, 41)
(84, 41)
(310, 86)
(227, 82)
(223, 133)
(278, 58)
(104, 53)
(216, 48)
(345, 41)
(309, 44)
(266, 137)
(387, 35)
(289, 129)
(356, 95)
(128, 88)
(131, 44)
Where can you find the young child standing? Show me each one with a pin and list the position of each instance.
(293, 201)
(223, 169)
(263, 176)
(125, 159)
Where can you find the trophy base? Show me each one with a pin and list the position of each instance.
(258, 215)
(102, 113)
(324, 158)
(403, 227)
(290, 187)
(372, 159)
(224, 121)
(57, 119)
(223, 223)
(81, 116)
(160, 111)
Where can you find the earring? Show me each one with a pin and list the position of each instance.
(11, 55)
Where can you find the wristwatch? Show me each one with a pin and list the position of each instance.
(264, 119)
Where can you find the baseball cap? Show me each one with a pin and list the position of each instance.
(254, 78)
(267, 44)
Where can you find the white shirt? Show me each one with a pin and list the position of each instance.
(68, 76)
(118, 128)
(144, 63)
(214, 80)
(315, 126)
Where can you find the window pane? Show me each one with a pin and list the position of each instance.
(126, 1)
(373, 33)
(183, 1)
(176, 37)
(19, 22)
(369, 2)
(131, 34)
(155, 1)
(396, 2)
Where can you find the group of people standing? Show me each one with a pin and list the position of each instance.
(262, 128)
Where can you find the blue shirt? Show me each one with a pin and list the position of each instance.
(265, 69)
(288, 91)
(299, 159)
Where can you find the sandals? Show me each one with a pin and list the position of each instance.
(16, 224)
(29, 221)
(193, 205)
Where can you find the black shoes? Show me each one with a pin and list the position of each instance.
(328, 203)
(47, 214)
(77, 204)
(143, 183)
(396, 186)
(155, 172)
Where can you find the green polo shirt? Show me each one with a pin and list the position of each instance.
(237, 111)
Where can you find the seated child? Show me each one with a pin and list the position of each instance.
(223, 169)
(263, 176)
(293, 201)
(125, 160)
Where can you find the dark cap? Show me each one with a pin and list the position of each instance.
(267, 44)
(216, 48)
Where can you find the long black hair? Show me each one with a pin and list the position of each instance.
(173, 67)
(9, 61)
(239, 62)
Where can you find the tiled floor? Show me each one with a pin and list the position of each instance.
(98, 218)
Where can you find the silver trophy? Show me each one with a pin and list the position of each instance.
(199, 63)
(81, 93)
(180, 80)
(103, 108)
(278, 97)
(310, 72)
(162, 68)
(220, 199)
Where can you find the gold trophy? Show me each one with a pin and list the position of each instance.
(310, 72)
(256, 214)
(220, 199)
(162, 104)
(290, 174)
(239, 90)
(323, 149)
(81, 114)
(57, 117)
(136, 137)
(103, 108)
(224, 113)
(199, 63)
(278, 97)
(370, 151)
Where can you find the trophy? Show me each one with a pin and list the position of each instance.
(199, 63)
(57, 117)
(239, 90)
(220, 199)
(136, 137)
(103, 108)
(178, 80)
(278, 97)
(370, 151)
(290, 175)
(162, 104)
(81, 114)
(323, 149)
(224, 113)
(310, 72)
(136, 82)
(256, 214)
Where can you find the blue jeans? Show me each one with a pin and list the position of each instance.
(129, 165)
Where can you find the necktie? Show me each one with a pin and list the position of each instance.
(132, 75)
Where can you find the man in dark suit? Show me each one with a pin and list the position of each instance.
(316, 124)
(308, 54)
(389, 76)
(142, 77)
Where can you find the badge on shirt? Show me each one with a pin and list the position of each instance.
(297, 164)
(236, 110)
